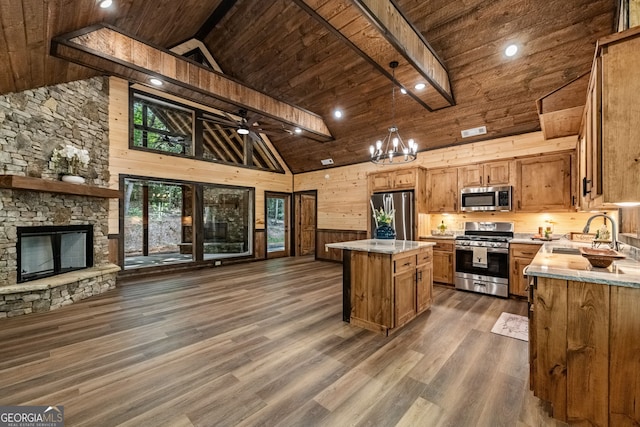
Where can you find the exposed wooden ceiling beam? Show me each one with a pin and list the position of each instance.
(379, 32)
(223, 8)
(112, 51)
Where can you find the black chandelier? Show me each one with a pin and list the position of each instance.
(392, 147)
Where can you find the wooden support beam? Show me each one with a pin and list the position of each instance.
(380, 33)
(112, 51)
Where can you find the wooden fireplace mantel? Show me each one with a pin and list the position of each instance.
(16, 182)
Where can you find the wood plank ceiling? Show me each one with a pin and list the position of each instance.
(278, 48)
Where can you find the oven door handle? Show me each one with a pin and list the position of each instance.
(489, 250)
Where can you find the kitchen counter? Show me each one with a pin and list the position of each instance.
(625, 272)
(380, 246)
(439, 236)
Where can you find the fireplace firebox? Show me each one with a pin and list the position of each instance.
(50, 250)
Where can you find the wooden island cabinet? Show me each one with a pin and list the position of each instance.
(385, 286)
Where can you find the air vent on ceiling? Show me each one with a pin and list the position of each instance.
(326, 162)
(474, 132)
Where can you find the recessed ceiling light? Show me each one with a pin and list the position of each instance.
(337, 114)
(420, 86)
(511, 50)
(155, 82)
(106, 3)
(297, 130)
(403, 91)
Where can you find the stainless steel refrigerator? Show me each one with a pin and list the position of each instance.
(403, 221)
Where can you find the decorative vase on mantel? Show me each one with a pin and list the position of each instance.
(385, 232)
(73, 179)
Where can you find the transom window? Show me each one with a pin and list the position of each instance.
(160, 125)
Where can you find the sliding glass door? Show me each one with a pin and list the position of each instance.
(168, 222)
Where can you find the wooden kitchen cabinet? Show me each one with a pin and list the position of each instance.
(387, 291)
(485, 175)
(544, 184)
(609, 147)
(424, 280)
(442, 190)
(405, 297)
(443, 260)
(584, 351)
(520, 256)
(393, 180)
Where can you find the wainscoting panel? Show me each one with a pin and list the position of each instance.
(324, 236)
(259, 244)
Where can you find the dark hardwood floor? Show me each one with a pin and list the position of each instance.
(263, 344)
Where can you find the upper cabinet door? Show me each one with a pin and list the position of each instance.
(381, 181)
(470, 176)
(442, 185)
(404, 178)
(484, 175)
(544, 184)
(497, 173)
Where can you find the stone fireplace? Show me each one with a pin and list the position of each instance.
(36, 205)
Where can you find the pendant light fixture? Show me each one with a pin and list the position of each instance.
(392, 147)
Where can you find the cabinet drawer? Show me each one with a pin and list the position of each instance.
(443, 246)
(524, 250)
(424, 257)
(407, 263)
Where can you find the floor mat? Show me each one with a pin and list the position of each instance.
(512, 325)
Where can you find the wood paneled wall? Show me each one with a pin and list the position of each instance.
(343, 199)
(331, 236)
(123, 160)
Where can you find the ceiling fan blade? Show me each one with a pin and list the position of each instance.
(252, 118)
(219, 121)
(255, 137)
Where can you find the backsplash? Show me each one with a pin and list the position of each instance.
(561, 222)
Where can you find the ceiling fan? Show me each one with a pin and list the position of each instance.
(248, 125)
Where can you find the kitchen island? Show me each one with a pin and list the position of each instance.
(385, 284)
(584, 329)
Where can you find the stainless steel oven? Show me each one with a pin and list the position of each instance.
(482, 258)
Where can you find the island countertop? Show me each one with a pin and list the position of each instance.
(624, 272)
(380, 246)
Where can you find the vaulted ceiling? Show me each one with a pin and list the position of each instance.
(280, 49)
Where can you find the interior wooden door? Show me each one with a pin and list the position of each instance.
(305, 213)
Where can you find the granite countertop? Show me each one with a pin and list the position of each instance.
(380, 246)
(439, 236)
(624, 272)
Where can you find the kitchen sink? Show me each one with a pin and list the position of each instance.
(566, 250)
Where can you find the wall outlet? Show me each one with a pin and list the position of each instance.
(217, 263)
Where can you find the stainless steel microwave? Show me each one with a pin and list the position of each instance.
(485, 199)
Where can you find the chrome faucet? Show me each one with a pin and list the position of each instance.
(614, 235)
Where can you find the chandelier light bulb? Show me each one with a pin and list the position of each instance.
(372, 150)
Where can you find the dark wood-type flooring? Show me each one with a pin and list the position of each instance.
(263, 344)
